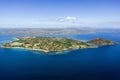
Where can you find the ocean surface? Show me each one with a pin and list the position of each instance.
(101, 63)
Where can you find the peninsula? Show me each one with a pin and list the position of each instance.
(49, 44)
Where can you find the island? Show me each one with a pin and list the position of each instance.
(101, 42)
(53, 44)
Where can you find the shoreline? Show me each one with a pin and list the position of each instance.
(53, 44)
(47, 51)
(26, 48)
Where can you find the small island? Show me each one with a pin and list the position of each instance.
(53, 44)
(101, 42)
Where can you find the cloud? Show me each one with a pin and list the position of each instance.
(69, 18)
(60, 20)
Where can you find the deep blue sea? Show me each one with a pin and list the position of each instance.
(101, 63)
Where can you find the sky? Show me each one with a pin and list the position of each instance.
(59, 13)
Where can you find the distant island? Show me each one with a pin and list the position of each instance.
(54, 44)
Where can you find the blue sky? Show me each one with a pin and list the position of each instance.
(60, 13)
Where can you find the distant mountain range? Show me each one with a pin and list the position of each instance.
(54, 30)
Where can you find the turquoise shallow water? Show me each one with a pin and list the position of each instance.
(85, 64)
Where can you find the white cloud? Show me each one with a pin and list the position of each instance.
(61, 20)
(69, 18)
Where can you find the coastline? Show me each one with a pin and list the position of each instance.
(75, 44)
(27, 49)
(47, 51)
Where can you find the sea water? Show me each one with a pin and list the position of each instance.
(101, 63)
